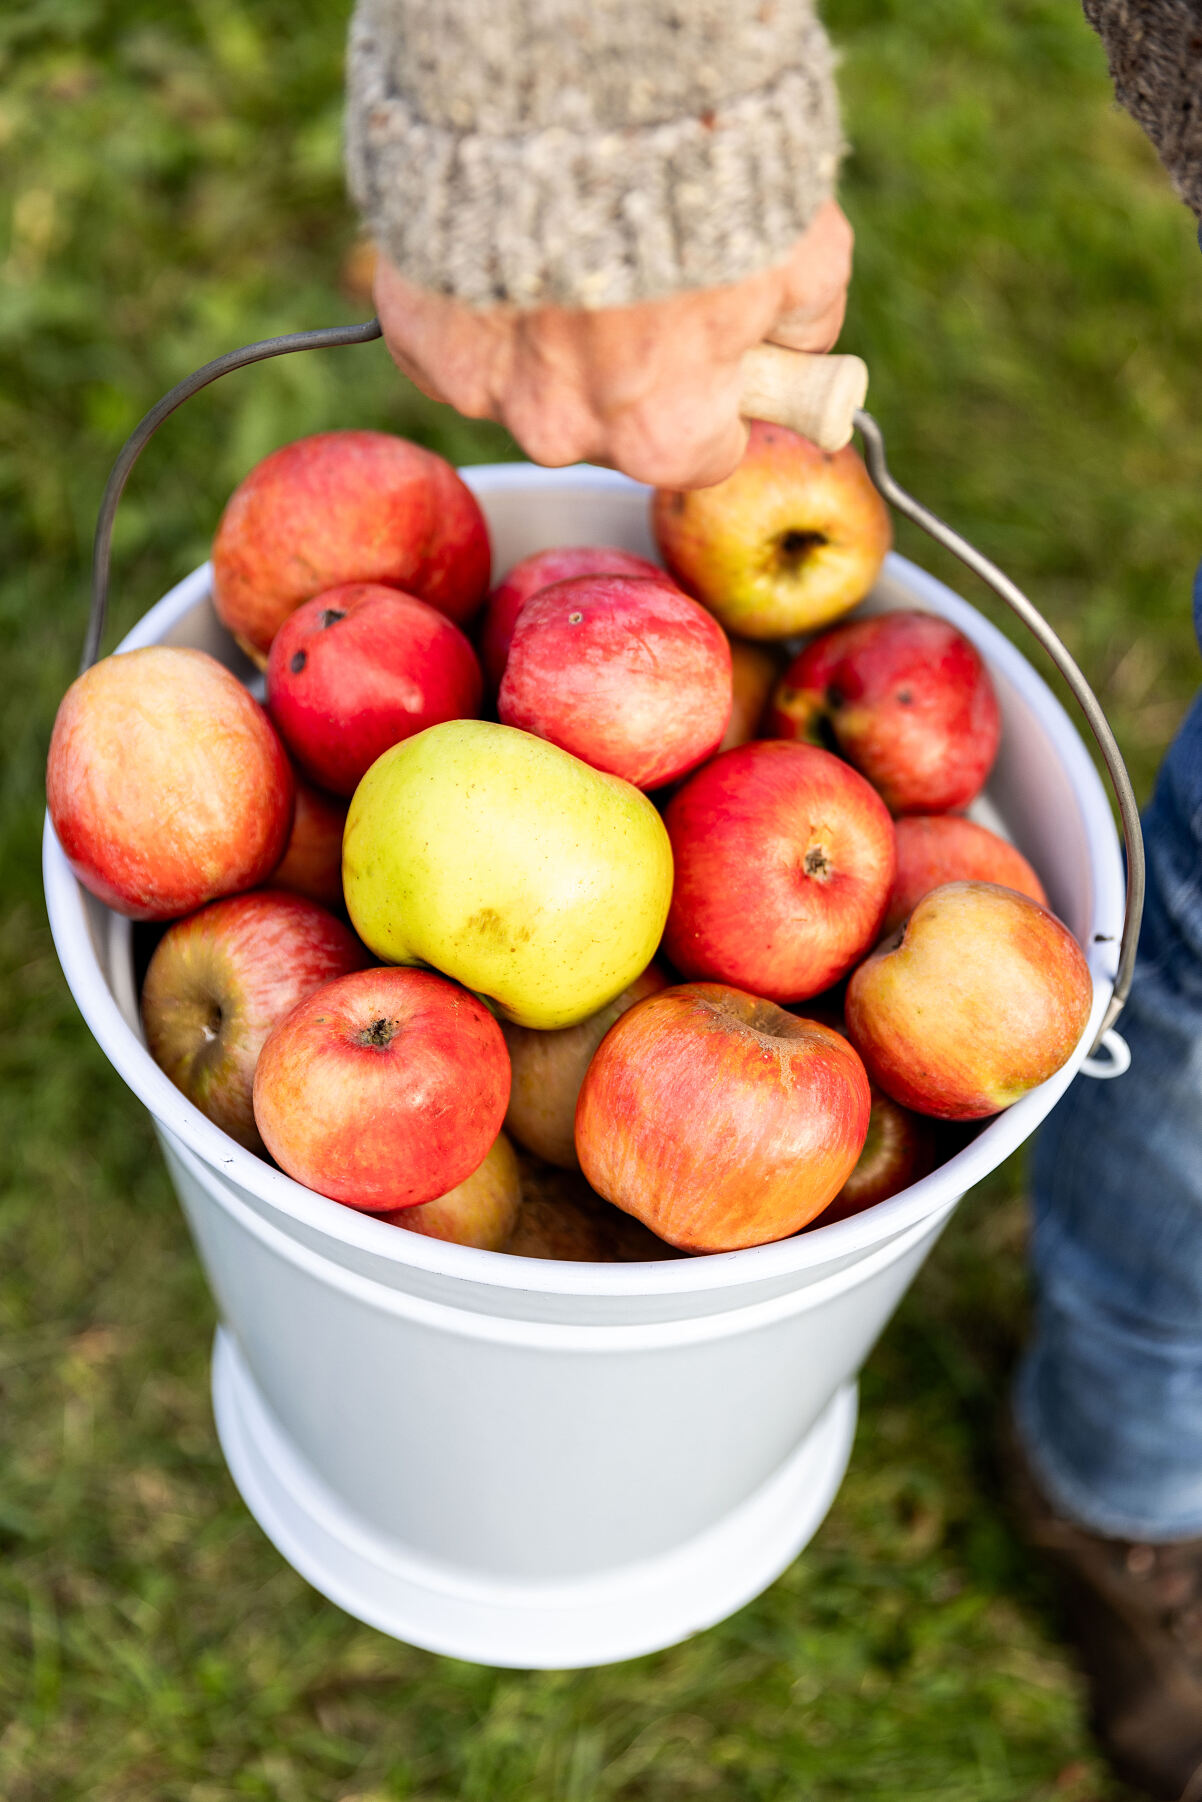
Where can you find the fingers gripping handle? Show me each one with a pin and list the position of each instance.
(816, 396)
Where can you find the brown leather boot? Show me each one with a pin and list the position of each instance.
(1135, 1614)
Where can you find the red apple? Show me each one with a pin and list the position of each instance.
(945, 847)
(312, 861)
(220, 980)
(900, 1149)
(166, 783)
(784, 859)
(482, 1210)
(357, 669)
(981, 996)
(346, 506)
(906, 699)
(791, 540)
(536, 572)
(549, 1067)
(720, 1120)
(627, 673)
(754, 670)
(384, 1089)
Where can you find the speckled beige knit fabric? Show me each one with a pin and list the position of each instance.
(588, 152)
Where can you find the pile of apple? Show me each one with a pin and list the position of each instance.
(706, 926)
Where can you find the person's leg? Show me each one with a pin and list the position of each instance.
(1108, 1403)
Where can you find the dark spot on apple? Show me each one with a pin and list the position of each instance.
(329, 616)
(817, 863)
(298, 661)
(905, 698)
(794, 548)
(379, 1035)
(575, 619)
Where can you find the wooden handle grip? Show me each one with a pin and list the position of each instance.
(816, 396)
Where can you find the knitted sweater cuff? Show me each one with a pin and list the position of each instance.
(597, 218)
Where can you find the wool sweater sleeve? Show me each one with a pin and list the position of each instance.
(1154, 48)
(588, 152)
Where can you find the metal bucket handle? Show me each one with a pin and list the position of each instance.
(1118, 1057)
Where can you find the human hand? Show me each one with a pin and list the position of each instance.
(651, 389)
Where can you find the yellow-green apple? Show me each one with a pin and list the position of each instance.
(718, 1119)
(625, 672)
(784, 859)
(346, 506)
(904, 697)
(945, 847)
(358, 668)
(536, 572)
(900, 1149)
(312, 860)
(166, 783)
(383, 1089)
(754, 669)
(981, 996)
(510, 865)
(218, 982)
(482, 1210)
(792, 540)
(549, 1067)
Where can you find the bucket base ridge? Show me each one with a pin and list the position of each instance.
(636, 1609)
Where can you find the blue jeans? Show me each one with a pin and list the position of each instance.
(1109, 1397)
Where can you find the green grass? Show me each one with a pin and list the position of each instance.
(1028, 298)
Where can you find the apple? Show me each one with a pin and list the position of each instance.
(784, 859)
(166, 783)
(981, 996)
(549, 1067)
(383, 1089)
(312, 860)
(538, 571)
(562, 1218)
(346, 506)
(358, 668)
(944, 847)
(905, 698)
(793, 539)
(482, 1210)
(754, 669)
(510, 865)
(219, 980)
(625, 672)
(900, 1149)
(718, 1119)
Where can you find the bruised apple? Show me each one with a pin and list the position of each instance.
(945, 847)
(549, 1067)
(537, 572)
(625, 672)
(718, 1119)
(784, 859)
(166, 783)
(346, 506)
(482, 1210)
(384, 1089)
(904, 697)
(220, 980)
(793, 539)
(981, 996)
(358, 668)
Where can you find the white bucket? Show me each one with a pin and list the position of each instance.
(553, 1464)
